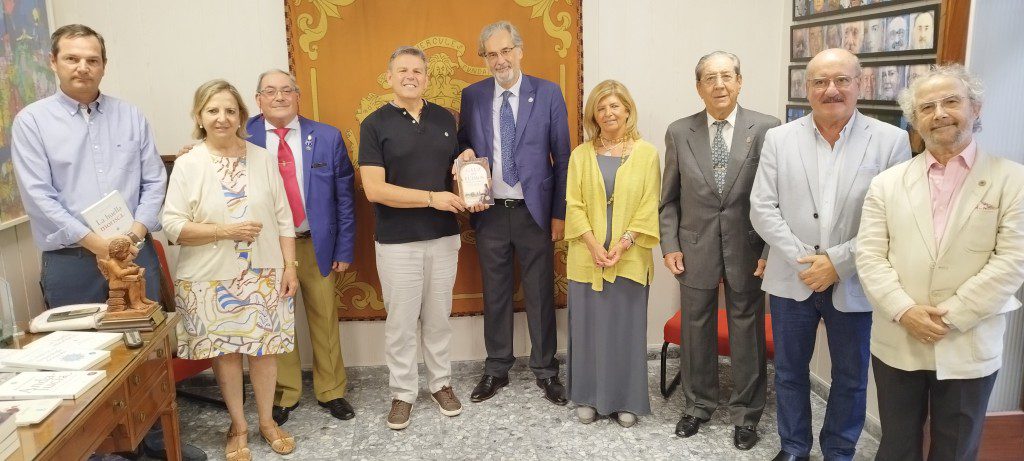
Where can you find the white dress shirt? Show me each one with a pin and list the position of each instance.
(293, 138)
(829, 160)
(730, 123)
(502, 190)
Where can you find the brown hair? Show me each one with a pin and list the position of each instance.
(74, 31)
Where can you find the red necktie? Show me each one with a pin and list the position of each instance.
(286, 162)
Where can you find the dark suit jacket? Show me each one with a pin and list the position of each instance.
(706, 226)
(542, 141)
(327, 178)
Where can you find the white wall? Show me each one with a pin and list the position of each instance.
(1000, 67)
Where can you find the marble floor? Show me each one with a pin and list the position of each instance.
(516, 424)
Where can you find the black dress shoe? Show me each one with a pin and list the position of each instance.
(554, 391)
(487, 387)
(745, 437)
(688, 425)
(280, 414)
(783, 456)
(340, 408)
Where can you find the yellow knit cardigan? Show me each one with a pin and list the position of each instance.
(635, 208)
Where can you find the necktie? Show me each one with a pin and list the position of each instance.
(507, 124)
(719, 155)
(286, 162)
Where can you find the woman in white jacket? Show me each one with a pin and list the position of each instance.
(235, 277)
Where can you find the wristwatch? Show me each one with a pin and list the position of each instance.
(294, 262)
(136, 240)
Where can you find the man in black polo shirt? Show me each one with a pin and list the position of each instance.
(406, 151)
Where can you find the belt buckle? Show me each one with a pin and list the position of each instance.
(510, 203)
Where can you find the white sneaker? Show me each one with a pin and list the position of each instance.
(626, 419)
(586, 414)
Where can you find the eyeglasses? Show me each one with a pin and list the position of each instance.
(504, 52)
(725, 77)
(821, 83)
(286, 91)
(951, 102)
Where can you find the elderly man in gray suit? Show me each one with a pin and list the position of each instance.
(806, 204)
(710, 161)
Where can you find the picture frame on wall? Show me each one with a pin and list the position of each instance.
(891, 34)
(813, 9)
(880, 82)
(893, 117)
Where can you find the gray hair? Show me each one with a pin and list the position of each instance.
(259, 81)
(409, 50)
(975, 91)
(490, 29)
(714, 54)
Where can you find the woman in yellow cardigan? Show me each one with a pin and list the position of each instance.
(611, 225)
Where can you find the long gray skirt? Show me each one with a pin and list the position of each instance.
(607, 359)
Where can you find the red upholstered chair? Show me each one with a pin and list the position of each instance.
(673, 335)
(182, 368)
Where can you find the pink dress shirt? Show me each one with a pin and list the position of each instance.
(945, 182)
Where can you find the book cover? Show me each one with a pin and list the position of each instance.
(76, 340)
(50, 384)
(110, 216)
(42, 358)
(28, 412)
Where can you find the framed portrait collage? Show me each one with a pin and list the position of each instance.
(896, 41)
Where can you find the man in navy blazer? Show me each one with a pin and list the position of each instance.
(324, 240)
(519, 123)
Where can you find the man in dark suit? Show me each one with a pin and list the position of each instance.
(324, 214)
(519, 123)
(710, 161)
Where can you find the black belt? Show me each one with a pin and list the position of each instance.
(303, 235)
(510, 202)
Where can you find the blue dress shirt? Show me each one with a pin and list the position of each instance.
(67, 156)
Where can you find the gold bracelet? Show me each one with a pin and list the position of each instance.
(430, 198)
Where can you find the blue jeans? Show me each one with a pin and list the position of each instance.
(794, 326)
(70, 276)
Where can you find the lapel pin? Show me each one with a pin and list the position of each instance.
(446, 134)
(530, 100)
(749, 140)
(309, 142)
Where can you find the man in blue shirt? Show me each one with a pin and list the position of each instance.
(69, 151)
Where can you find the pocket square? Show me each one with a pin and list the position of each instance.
(985, 206)
(319, 164)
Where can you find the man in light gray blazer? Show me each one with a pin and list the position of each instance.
(710, 161)
(806, 204)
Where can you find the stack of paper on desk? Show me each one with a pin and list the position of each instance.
(31, 385)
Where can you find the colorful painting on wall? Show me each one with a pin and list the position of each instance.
(25, 76)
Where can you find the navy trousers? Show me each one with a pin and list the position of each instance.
(795, 326)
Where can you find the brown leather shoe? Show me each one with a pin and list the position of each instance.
(447, 402)
(398, 417)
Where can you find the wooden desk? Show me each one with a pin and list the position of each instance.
(115, 414)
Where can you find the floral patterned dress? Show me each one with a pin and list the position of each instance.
(245, 314)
